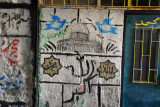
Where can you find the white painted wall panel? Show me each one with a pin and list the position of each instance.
(81, 53)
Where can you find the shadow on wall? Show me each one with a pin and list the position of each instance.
(11, 104)
(104, 2)
(72, 2)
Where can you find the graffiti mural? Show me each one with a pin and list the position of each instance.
(79, 60)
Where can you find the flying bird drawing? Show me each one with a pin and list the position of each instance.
(106, 26)
(55, 23)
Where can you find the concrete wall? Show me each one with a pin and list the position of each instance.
(16, 53)
(15, 59)
(16, 1)
(80, 57)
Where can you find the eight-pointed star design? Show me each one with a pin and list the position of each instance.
(51, 66)
(107, 70)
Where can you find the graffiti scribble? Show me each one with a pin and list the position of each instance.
(15, 83)
(12, 55)
(106, 26)
(55, 24)
(79, 100)
(80, 89)
(7, 19)
(2, 78)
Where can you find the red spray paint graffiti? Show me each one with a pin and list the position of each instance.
(13, 54)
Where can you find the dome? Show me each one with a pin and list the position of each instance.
(79, 28)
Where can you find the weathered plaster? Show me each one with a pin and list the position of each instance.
(16, 83)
